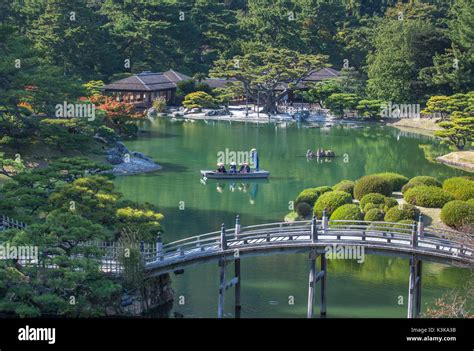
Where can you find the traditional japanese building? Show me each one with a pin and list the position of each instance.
(141, 89)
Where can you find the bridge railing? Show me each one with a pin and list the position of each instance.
(379, 233)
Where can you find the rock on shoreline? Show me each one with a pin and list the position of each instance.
(128, 162)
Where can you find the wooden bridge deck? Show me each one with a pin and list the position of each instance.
(376, 237)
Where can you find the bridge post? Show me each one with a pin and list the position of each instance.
(314, 230)
(220, 305)
(323, 285)
(159, 248)
(325, 221)
(312, 282)
(237, 226)
(420, 227)
(414, 235)
(418, 289)
(223, 238)
(414, 290)
(238, 306)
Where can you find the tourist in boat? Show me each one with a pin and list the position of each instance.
(247, 168)
(233, 167)
(242, 168)
(221, 168)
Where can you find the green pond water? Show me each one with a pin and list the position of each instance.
(269, 284)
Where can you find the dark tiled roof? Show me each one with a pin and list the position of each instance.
(313, 77)
(218, 82)
(322, 74)
(148, 81)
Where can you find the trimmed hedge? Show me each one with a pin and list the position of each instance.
(308, 195)
(461, 188)
(427, 196)
(347, 212)
(397, 181)
(397, 214)
(372, 198)
(421, 180)
(374, 215)
(345, 185)
(458, 214)
(331, 201)
(389, 203)
(303, 209)
(371, 184)
(323, 189)
(370, 206)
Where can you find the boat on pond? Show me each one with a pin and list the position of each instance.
(249, 173)
(260, 174)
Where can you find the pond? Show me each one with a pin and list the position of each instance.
(277, 286)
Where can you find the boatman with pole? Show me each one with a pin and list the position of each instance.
(255, 159)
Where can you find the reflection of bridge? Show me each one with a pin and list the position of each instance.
(315, 236)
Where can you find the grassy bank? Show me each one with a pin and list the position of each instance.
(419, 125)
(460, 159)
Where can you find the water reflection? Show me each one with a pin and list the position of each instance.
(248, 187)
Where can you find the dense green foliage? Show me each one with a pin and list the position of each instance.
(308, 195)
(330, 201)
(347, 212)
(458, 214)
(66, 207)
(421, 180)
(460, 188)
(371, 184)
(345, 185)
(397, 181)
(303, 209)
(374, 215)
(404, 212)
(372, 198)
(427, 196)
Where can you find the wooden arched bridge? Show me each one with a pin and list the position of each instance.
(316, 237)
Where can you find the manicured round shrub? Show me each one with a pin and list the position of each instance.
(371, 184)
(374, 215)
(372, 198)
(458, 214)
(396, 180)
(427, 196)
(303, 209)
(331, 201)
(421, 180)
(389, 203)
(399, 213)
(308, 195)
(345, 185)
(461, 188)
(323, 189)
(369, 207)
(347, 212)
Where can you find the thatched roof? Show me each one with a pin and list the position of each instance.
(148, 81)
